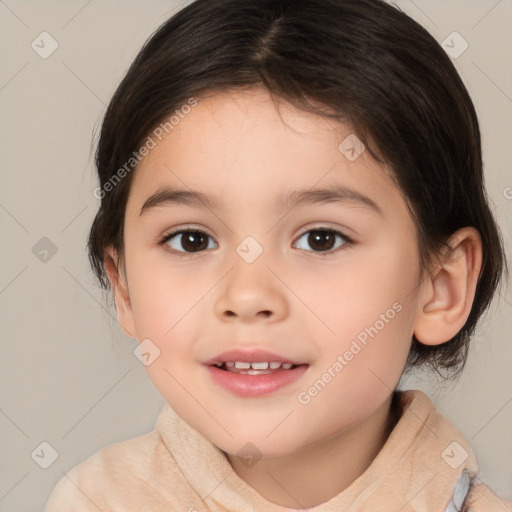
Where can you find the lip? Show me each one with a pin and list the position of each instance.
(256, 355)
(252, 386)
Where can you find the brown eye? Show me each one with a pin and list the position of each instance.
(188, 241)
(323, 240)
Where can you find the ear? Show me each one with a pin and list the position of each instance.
(119, 286)
(447, 296)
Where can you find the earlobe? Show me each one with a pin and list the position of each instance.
(448, 294)
(121, 293)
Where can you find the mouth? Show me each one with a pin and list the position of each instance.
(254, 371)
(256, 368)
(254, 380)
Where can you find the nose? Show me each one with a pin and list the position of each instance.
(251, 293)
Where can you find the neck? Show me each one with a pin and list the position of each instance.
(317, 473)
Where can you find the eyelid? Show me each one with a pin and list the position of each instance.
(185, 227)
(324, 227)
(342, 231)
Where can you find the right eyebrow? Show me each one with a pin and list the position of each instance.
(171, 196)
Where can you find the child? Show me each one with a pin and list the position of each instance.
(262, 128)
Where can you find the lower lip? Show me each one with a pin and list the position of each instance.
(255, 385)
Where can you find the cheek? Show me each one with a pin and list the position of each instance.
(154, 305)
(162, 297)
(369, 307)
(166, 306)
(364, 284)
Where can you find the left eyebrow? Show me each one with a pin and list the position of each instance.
(291, 199)
(334, 194)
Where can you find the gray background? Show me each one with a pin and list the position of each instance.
(68, 374)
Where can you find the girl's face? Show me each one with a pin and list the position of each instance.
(264, 274)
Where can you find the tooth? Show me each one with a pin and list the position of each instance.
(256, 372)
(219, 364)
(287, 366)
(242, 365)
(259, 366)
(229, 364)
(274, 365)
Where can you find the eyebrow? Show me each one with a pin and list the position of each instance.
(168, 196)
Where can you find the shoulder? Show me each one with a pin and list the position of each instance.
(117, 474)
(482, 499)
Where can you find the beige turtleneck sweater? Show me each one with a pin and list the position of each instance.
(175, 468)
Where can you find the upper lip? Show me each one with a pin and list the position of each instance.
(256, 355)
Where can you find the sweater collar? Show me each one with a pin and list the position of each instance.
(417, 469)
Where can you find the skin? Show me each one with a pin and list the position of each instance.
(291, 299)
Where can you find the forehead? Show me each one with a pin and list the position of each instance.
(242, 146)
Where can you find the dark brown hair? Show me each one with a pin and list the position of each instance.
(367, 64)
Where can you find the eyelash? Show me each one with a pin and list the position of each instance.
(168, 236)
